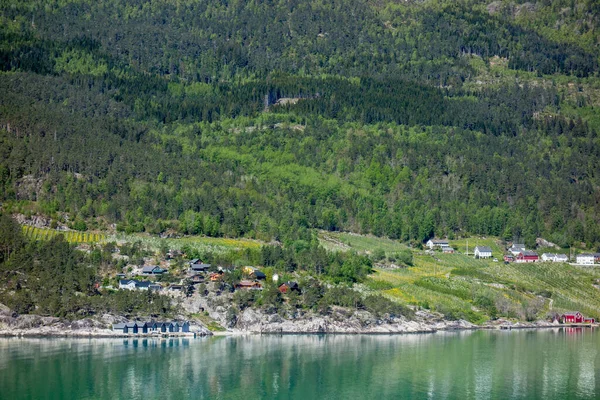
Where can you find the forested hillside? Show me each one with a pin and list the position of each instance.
(267, 119)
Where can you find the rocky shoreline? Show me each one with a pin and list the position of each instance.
(256, 321)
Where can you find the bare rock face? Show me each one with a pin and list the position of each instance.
(4, 310)
(541, 242)
(342, 321)
(494, 7)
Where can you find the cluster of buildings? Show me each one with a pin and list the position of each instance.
(152, 327)
(441, 244)
(519, 253)
(576, 317)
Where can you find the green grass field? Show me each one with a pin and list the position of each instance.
(460, 245)
(457, 285)
(36, 233)
(341, 241)
(200, 243)
(461, 286)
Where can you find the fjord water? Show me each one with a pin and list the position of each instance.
(546, 364)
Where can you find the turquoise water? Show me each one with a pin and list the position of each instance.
(545, 364)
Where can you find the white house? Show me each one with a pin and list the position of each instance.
(432, 243)
(483, 252)
(561, 258)
(517, 249)
(551, 257)
(132, 284)
(585, 259)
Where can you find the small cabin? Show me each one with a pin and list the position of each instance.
(185, 326)
(248, 285)
(572, 318)
(120, 328)
(199, 267)
(153, 270)
(289, 286)
(216, 276)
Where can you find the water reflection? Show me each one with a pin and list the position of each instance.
(552, 364)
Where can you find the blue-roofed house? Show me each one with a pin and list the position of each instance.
(185, 326)
(199, 267)
(153, 270)
(131, 327)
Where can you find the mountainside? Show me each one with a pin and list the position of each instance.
(260, 119)
(270, 121)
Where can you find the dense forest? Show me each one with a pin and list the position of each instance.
(268, 119)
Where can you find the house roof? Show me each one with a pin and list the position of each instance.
(572, 313)
(517, 246)
(259, 274)
(585, 255)
(119, 326)
(126, 281)
(483, 249)
(142, 283)
(199, 266)
(438, 241)
(564, 256)
(528, 253)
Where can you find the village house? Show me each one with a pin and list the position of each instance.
(248, 285)
(572, 317)
(433, 243)
(289, 286)
(199, 266)
(447, 250)
(155, 286)
(509, 258)
(153, 270)
(132, 284)
(254, 272)
(483, 252)
(517, 249)
(552, 257)
(527, 256)
(585, 259)
(216, 276)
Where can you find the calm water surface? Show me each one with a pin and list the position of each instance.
(545, 364)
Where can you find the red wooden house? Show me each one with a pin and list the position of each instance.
(527, 256)
(572, 317)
